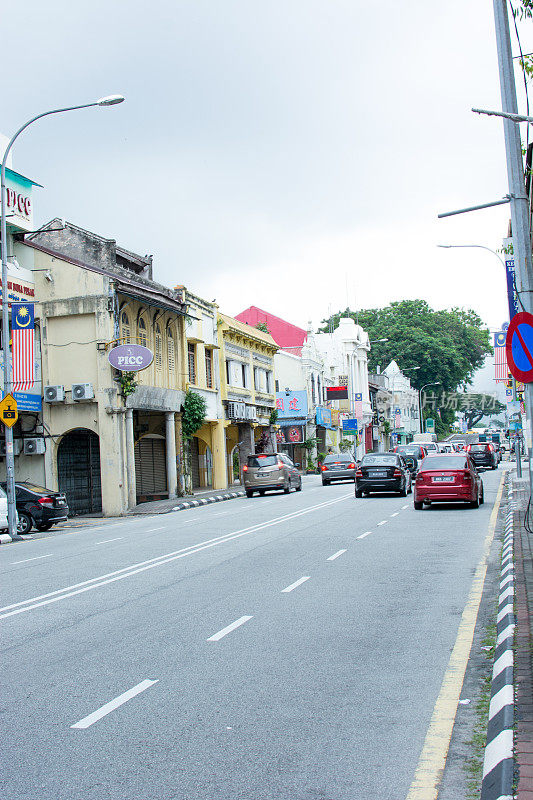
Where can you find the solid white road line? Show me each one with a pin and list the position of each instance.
(151, 530)
(36, 558)
(103, 711)
(228, 629)
(335, 555)
(396, 513)
(364, 534)
(142, 566)
(106, 541)
(383, 522)
(295, 584)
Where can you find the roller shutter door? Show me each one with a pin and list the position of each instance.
(195, 463)
(150, 466)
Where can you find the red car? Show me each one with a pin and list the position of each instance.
(448, 478)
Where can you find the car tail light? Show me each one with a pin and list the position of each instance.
(491, 448)
(280, 464)
(359, 473)
(351, 466)
(467, 476)
(47, 502)
(468, 448)
(245, 468)
(397, 473)
(323, 468)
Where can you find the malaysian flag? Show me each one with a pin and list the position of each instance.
(500, 357)
(23, 332)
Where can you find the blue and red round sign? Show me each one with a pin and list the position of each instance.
(519, 347)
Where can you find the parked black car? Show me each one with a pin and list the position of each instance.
(483, 454)
(39, 507)
(383, 472)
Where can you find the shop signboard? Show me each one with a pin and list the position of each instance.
(349, 427)
(336, 392)
(130, 357)
(290, 434)
(291, 404)
(323, 417)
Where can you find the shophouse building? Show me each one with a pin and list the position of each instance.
(345, 355)
(402, 409)
(111, 439)
(248, 390)
(304, 419)
(208, 445)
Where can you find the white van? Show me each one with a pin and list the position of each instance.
(419, 438)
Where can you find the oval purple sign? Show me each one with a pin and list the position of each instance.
(130, 357)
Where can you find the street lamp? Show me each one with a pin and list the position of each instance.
(504, 114)
(375, 341)
(434, 383)
(480, 246)
(110, 100)
(408, 369)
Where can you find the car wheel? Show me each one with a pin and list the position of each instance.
(475, 503)
(43, 526)
(418, 506)
(358, 492)
(261, 492)
(403, 492)
(287, 488)
(482, 496)
(25, 523)
(299, 487)
(325, 483)
(249, 493)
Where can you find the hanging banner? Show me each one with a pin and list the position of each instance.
(23, 340)
(510, 275)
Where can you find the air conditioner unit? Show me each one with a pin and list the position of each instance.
(54, 394)
(34, 447)
(82, 391)
(17, 447)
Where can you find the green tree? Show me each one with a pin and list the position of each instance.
(262, 326)
(477, 406)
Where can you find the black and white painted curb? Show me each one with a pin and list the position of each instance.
(498, 766)
(204, 501)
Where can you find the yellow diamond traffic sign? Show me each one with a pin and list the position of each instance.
(8, 410)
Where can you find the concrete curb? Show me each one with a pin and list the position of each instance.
(5, 538)
(204, 501)
(498, 766)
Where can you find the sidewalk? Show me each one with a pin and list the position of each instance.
(523, 641)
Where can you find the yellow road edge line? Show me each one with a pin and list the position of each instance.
(428, 774)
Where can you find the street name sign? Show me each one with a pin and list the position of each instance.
(8, 411)
(519, 347)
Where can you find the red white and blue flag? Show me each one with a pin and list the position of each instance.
(23, 337)
(500, 357)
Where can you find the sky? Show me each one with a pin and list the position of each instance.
(292, 154)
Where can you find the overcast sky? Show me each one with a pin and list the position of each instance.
(292, 154)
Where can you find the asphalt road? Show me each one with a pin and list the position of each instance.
(276, 648)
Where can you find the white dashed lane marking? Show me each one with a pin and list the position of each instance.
(296, 584)
(103, 711)
(228, 629)
(364, 534)
(383, 522)
(335, 555)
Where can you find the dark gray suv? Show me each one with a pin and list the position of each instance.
(265, 471)
(338, 467)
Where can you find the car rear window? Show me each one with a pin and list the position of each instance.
(31, 487)
(379, 458)
(409, 451)
(340, 457)
(478, 448)
(262, 461)
(444, 462)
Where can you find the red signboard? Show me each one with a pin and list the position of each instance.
(336, 392)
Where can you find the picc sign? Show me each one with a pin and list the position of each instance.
(130, 357)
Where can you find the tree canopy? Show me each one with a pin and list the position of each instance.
(447, 346)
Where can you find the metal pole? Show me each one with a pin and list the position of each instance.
(10, 459)
(515, 172)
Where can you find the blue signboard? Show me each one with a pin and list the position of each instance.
(349, 425)
(323, 417)
(291, 404)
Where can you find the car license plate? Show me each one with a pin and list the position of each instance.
(378, 475)
(262, 474)
(443, 479)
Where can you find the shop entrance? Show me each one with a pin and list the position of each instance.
(78, 467)
(150, 467)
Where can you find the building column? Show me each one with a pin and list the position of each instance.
(220, 470)
(246, 443)
(130, 460)
(172, 472)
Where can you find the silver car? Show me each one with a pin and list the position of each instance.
(265, 471)
(338, 467)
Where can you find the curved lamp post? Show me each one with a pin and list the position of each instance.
(110, 100)
(433, 383)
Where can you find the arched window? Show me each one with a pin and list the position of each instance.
(125, 330)
(143, 338)
(171, 351)
(158, 347)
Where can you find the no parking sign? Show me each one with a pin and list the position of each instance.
(519, 347)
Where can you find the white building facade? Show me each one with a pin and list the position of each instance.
(403, 406)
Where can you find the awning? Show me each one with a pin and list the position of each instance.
(287, 423)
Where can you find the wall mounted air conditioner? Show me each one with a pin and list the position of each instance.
(82, 391)
(54, 394)
(34, 447)
(17, 447)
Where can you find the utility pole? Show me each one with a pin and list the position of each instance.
(517, 190)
